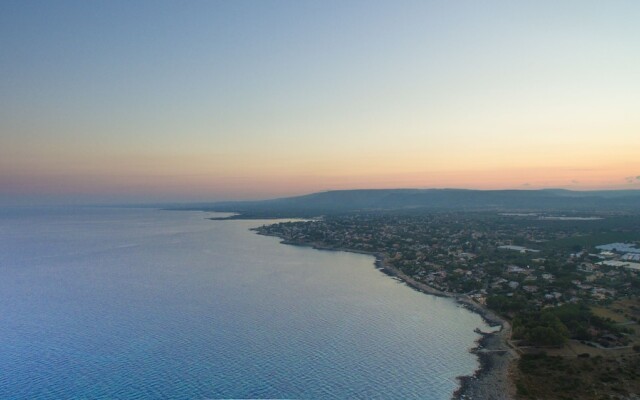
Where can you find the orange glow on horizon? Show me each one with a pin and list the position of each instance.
(209, 187)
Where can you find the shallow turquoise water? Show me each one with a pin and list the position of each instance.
(146, 304)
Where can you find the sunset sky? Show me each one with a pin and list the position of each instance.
(133, 101)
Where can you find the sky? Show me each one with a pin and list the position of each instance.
(153, 101)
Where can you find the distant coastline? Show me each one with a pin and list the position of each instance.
(492, 380)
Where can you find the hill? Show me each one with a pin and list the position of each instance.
(345, 201)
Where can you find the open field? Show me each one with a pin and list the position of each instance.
(552, 377)
(586, 370)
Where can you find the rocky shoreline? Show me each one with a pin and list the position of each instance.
(492, 380)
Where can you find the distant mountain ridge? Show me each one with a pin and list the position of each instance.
(343, 201)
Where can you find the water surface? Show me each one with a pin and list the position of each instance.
(146, 304)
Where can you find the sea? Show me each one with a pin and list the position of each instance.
(140, 303)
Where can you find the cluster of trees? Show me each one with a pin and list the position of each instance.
(553, 326)
(540, 329)
(507, 305)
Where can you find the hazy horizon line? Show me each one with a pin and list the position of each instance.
(158, 202)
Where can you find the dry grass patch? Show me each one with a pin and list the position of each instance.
(541, 376)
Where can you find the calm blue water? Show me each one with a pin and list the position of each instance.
(147, 304)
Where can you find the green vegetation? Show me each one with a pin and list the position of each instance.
(553, 326)
(552, 377)
(540, 329)
(507, 305)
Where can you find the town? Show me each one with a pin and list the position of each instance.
(568, 284)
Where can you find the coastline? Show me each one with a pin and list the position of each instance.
(493, 378)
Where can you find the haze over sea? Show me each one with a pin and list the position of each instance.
(142, 303)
